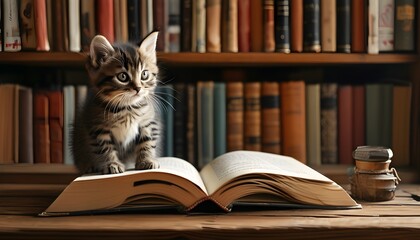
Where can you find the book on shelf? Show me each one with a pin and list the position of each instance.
(281, 26)
(121, 20)
(311, 26)
(230, 25)
(105, 19)
(235, 115)
(344, 25)
(87, 23)
(205, 122)
(191, 147)
(69, 103)
(74, 25)
(329, 25)
(373, 27)
(296, 25)
(256, 31)
(133, 21)
(174, 26)
(359, 115)
(27, 25)
(213, 26)
(41, 128)
(386, 25)
(269, 39)
(345, 131)
(270, 117)
(180, 120)
(9, 128)
(59, 25)
(186, 25)
(293, 119)
(358, 26)
(240, 177)
(166, 115)
(329, 151)
(313, 124)
(200, 26)
(405, 25)
(25, 145)
(252, 116)
(244, 25)
(219, 121)
(10, 31)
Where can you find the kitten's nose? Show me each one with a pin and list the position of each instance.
(137, 89)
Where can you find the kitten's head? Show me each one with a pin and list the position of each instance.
(123, 74)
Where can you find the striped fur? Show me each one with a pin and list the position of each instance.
(117, 126)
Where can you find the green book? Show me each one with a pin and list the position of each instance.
(219, 119)
(166, 114)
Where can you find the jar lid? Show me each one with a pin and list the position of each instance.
(372, 153)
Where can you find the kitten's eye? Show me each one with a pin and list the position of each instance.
(145, 75)
(122, 77)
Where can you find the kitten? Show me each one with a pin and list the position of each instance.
(117, 124)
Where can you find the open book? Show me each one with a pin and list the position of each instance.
(235, 177)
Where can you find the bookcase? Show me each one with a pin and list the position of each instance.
(256, 66)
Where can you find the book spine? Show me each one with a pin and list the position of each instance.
(87, 21)
(345, 124)
(105, 19)
(358, 26)
(329, 151)
(133, 21)
(257, 42)
(167, 116)
(159, 23)
(41, 129)
(191, 125)
(252, 121)
(27, 25)
(373, 26)
(56, 120)
(244, 25)
(281, 23)
(205, 122)
(230, 25)
(313, 124)
(359, 116)
(143, 18)
(180, 120)
(235, 115)
(120, 15)
(270, 118)
(26, 150)
(213, 15)
(186, 24)
(1, 28)
(329, 25)
(11, 33)
(201, 25)
(386, 26)
(269, 39)
(69, 103)
(311, 26)
(219, 110)
(174, 26)
(344, 24)
(405, 15)
(296, 25)
(293, 119)
(74, 26)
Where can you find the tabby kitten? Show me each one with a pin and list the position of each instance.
(117, 126)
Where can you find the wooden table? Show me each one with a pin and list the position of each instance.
(396, 219)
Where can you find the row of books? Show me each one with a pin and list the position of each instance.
(316, 123)
(371, 26)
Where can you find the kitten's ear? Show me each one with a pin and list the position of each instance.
(148, 45)
(100, 49)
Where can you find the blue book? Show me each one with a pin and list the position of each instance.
(166, 115)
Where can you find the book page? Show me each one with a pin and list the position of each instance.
(171, 165)
(234, 164)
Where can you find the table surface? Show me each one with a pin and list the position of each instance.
(398, 218)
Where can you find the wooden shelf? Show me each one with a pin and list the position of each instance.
(216, 59)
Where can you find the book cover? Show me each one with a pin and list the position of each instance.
(27, 25)
(401, 124)
(344, 24)
(313, 124)
(270, 118)
(219, 122)
(311, 26)
(11, 33)
(358, 26)
(244, 25)
(379, 114)
(25, 145)
(230, 25)
(252, 116)
(329, 25)
(296, 25)
(373, 27)
(223, 182)
(345, 124)
(41, 128)
(69, 103)
(405, 15)
(87, 22)
(281, 25)
(133, 21)
(293, 119)
(257, 34)
(235, 115)
(105, 19)
(186, 25)
(386, 25)
(269, 39)
(213, 26)
(74, 26)
(329, 151)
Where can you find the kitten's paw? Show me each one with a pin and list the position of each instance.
(147, 164)
(113, 168)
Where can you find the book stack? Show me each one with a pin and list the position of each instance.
(362, 26)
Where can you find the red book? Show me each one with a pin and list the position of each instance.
(358, 26)
(56, 125)
(40, 11)
(244, 25)
(269, 42)
(105, 19)
(41, 129)
(257, 37)
(296, 25)
(345, 124)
